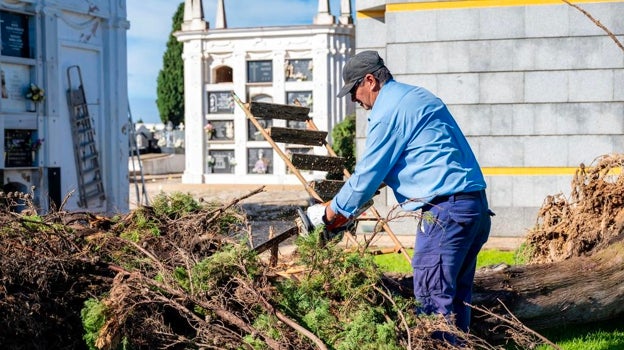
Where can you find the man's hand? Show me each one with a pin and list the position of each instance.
(316, 214)
(321, 214)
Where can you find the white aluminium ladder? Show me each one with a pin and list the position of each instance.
(86, 156)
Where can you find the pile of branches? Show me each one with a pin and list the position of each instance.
(590, 220)
(52, 265)
(45, 276)
(181, 274)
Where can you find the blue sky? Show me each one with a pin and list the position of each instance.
(150, 26)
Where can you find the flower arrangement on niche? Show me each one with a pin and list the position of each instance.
(211, 161)
(29, 145)
(35, 93)
(36, 144)
(209, 129)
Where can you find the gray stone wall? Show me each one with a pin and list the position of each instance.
(538, 89)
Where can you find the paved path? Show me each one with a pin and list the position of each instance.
(272, 207)
(272, 194)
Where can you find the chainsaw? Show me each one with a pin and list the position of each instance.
(332, 230)
(329, 233)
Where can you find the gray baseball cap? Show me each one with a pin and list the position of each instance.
(358, 66)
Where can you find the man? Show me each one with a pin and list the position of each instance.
(416, 148)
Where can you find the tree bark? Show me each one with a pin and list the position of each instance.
(575, 291)
(579, 290)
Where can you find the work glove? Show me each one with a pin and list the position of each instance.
(316, 214)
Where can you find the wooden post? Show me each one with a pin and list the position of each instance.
(274, 249)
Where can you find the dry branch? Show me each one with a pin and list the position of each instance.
(597, 23)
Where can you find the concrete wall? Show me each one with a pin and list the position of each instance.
(537, 88)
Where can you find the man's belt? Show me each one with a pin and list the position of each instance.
(456, 196)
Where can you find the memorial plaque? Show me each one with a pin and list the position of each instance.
(296, 124)
(260, 71)
(14, 30)
(220, 102)
(260, 161)
(253, 134)
(220, 130)
(15, 79)
(18, 150)
(221, 161)
(303, 97)
(298, 70)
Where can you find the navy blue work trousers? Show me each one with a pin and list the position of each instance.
(451, 233)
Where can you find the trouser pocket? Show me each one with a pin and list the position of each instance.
(427, 280)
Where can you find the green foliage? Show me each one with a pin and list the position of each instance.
(177, 204)
(142, 226)
(318, 317)
(34, 223)
(170, 81)
(254, 343)
(230, 222)
(369, 330)
(230, 262)
(180, 274)
(93, 316)
(174, 205)
(343, 142)
(338, 298)
(131, 235)
(267, 324)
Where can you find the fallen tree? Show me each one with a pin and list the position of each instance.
(578, 290)
(177, 275)
(180, 274)
(575, 256)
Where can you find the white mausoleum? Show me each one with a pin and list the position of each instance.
(52, 45)
(280, 64)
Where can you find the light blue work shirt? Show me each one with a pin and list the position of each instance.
(415, 147)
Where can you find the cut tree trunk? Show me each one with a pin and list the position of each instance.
(574, 291)
(579, 290)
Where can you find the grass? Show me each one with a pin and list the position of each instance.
(397, 263)
(490, 257)
(608, 335)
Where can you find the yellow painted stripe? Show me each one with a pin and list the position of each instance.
(535, 171)
(444, 5)
(371, 14)
(464, 4)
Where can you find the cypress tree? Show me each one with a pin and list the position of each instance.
(170, 82)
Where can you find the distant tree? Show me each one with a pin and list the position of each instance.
(170, 82)
(343, 136)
